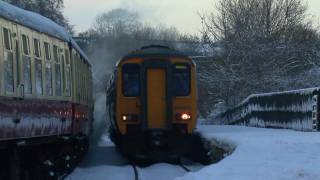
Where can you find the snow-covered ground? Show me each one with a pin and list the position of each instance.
(103, 162)
(262, 154)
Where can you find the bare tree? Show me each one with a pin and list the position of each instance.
(268, 45)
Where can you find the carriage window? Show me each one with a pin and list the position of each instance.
(131, 80)
(27, 74)
(8, 64)
(39, 89)
(181, 80)
(68, 74)
(55, 54)
(37, 51)
(48, 78)
(25, 44)
(58, 71)
(47, 50)
(7, 38)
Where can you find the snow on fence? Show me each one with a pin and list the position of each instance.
(298, 109)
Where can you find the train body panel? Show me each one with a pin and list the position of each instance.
(152, 100)
(45, 90)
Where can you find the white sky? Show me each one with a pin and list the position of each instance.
(182, 14)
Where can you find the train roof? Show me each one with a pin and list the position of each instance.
(155, 51)
(39, 23)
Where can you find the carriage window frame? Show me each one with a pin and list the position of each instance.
(136, 94)
(47, 50)
(25, 44)
(174, 71)
(7, 39)
(37, 47)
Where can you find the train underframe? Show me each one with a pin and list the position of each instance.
(48, 158)
(41, 139)
(156, 145)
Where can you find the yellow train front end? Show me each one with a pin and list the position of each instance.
(154, 102)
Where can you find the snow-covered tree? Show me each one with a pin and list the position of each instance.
(268, 45)
(51, 9)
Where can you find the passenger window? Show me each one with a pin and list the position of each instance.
(55, 53)
(58, 83)
(27, 74)
(68, 74)
(39, 89)
(25, 44)
(181, 79)
(8, 64)
(38, 67)
(7, 38)
(48, 79)
(47, 50)
(131, 80)
(36, 44)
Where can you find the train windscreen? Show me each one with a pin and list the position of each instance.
(131, 80)
(181, 80)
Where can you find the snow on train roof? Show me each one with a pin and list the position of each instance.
(37, 22)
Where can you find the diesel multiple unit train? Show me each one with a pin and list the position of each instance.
(151, 100)
(45, 97)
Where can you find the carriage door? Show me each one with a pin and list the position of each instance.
(19, 91)
(11, 58)
(156, 98)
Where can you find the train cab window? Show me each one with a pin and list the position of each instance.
(26, 65)
(38, 67)
(7, 39)
(131, 80)
(181, 80)
(48, 69)
(8, 61)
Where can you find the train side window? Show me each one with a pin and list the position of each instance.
(25, 44)
(8, 61)
(26, 65)
(47, 50)
(36, 44)
(48, 69)
(181, 79)
(7, 38)
(131, 80)
(57, 71)
(67, 74)
(38, 67)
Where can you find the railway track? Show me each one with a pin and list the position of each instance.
(136, 173)
(184, 167)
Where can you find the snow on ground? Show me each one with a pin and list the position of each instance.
(262, 154)
(104, 162)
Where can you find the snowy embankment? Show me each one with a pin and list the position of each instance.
(262, 154)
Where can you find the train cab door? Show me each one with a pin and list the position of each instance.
(156, 94)
(156, 98)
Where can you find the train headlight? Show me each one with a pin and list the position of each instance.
(183, 116)
(130, 117)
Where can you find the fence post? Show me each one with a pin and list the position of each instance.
(315, 113)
